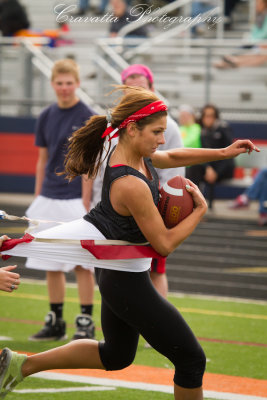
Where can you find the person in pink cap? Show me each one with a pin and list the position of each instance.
(138, 70)
(142, 76)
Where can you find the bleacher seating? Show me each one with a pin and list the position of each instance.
(247, 166)
(180, 71)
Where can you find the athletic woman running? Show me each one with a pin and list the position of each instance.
(128, 211)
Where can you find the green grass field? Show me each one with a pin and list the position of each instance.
(238, 331)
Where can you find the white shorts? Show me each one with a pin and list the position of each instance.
(72, 252)
(48, 209)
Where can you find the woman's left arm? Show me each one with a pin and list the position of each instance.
(187, 156)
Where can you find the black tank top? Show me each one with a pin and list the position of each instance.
(111, 224)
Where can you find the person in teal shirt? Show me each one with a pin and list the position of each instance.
(258, 53)
(259, 29)
(190, 130)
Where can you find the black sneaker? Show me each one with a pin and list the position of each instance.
(54, 329)
(85, 328)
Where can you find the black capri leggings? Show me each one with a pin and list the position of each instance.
(132, 306)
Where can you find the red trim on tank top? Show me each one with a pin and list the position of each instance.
(118, 165)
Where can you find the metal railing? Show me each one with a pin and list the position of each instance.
(111, 60)
(149, 15)
(29, 56)
(171, 33)
(31, 91)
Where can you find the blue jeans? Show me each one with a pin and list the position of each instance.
(258, 190)
(199, 8)
(103, 5)
(83, 4)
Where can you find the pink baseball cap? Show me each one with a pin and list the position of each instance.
(138, 69)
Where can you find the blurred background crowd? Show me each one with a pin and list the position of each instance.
(211, 70)
(207, 60)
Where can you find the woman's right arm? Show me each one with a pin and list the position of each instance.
(136, 198)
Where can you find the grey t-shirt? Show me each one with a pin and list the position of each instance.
(173, 140)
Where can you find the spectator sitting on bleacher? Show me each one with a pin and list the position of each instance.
(13, 17)
(229, 6)
(14, 22)
(214, 133)
(257, 191)
(190, 130)
(84, 6)
(258, 53)
(119, 10)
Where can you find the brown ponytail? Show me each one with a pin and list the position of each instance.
(86, 148)
(86, 145)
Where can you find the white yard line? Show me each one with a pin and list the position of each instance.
(67, 389)
(138, 385)
(6, 338)
(170, 294)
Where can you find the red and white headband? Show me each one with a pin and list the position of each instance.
(152, 108)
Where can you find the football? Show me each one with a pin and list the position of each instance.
(176, 203)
